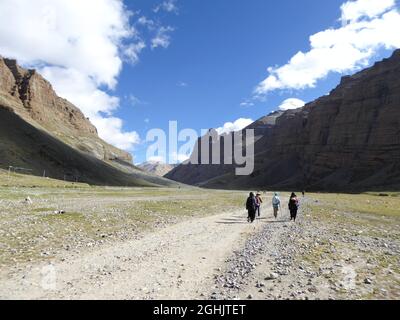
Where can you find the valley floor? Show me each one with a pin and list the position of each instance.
(340, 248)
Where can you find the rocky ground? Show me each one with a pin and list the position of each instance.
(342, 255)
(194, 244)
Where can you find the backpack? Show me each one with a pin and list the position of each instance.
(293, 204)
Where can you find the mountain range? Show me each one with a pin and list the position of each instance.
(348, 140)
(43, 134)
(157, 168)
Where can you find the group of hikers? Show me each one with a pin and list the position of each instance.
(254, 202)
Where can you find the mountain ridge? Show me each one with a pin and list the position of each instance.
(46, 134)
(31, 96)
(347, 140)
(157, 168)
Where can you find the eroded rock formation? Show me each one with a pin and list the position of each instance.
(32, 97)
(347, 140)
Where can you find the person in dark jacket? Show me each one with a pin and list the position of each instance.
(251, 207)
(293, 207)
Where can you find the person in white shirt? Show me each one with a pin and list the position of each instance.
(276, 204)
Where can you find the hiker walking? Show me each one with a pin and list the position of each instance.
(258, 204)
(276, 204)
(251, 207)
(293, 206)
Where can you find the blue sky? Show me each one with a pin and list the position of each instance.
(138, 64)
(221, 50)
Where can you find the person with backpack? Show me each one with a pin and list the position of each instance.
(293, 207)
(251, 207)
(276, 204)
(258, 204)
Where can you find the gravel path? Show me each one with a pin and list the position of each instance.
(177, 262)
(335, 256)
(316, 259)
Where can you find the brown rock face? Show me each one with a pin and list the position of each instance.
(348, 140)
(41, 133)
(29, 95)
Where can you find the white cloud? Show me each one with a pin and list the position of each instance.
(131, 52)
(162, 38)
(372, 25)
(144, 21)
(81, 35)
(110, 129)
(79, 47)
(292, 103)
(246, 104)
(354, 10)
(168, 6)
(238, 125)
(160, 35)
(81, 90)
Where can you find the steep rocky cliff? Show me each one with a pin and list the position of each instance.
(29, 95)
(348, 140)
(41, 133)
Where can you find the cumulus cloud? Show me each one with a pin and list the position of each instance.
(355, 10)
(110, 129)
(238, 125)
(292, 103)
(79, 46)
(368, 26)
(81, 90)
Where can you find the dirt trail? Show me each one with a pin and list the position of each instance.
(326, 254)
(178, 262)
(335, 255)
